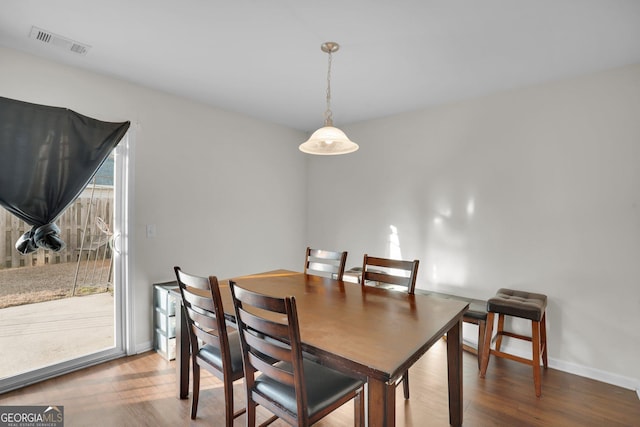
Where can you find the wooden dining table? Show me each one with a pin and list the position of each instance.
(370, 333)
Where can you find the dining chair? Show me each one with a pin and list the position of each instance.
(325, 263)
(212, 346)
(397, 274)
(295, 389)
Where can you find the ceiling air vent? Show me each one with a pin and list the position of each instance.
(58, 41)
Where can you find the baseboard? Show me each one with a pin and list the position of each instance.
(48, 372)
(573, 368)
(470, 343)
(143, 347)
(595, 374)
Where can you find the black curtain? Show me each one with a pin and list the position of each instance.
(48, 155)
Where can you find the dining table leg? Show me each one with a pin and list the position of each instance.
(182, 352)
(381, 403)
(454, 368)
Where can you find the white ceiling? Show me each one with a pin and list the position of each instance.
(263, 58)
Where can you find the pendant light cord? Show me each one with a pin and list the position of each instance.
(328, 115)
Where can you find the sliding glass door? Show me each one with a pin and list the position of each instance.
(66, 310)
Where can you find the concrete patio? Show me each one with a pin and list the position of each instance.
(37, 335)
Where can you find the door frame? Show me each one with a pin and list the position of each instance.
(124, 339)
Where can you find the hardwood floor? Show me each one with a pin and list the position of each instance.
(141, 391)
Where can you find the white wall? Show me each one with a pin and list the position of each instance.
(535, 189)
(212, 182)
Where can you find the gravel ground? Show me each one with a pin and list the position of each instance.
(27, 285)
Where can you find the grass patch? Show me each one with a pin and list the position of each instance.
(29, 285)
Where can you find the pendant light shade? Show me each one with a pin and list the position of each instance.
(328, 140)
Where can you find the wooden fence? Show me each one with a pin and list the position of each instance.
(82, 213)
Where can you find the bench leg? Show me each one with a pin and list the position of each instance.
(486, 346)
(482, 324)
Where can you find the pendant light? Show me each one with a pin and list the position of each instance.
(328, 140)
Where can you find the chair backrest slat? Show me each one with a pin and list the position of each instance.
(207, 337)
(201, 301)
(265, 326)
(268, 347)
(325, 263)
(257, 300)
(388, 278)
(322, 267)
(280, 375)
(203, 319)
(390, 271)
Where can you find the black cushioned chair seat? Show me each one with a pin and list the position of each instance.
(323, 386)
(212, 354)
(526, 305)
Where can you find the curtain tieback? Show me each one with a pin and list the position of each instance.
(45, 236)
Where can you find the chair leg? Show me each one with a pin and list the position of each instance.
(358, 409)
(251, 413)
(486, 347)
(196, 390)
(228, 403)
(543, 338)
(405, 384)
(535, 360)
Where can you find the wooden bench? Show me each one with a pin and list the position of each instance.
(476, 313)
